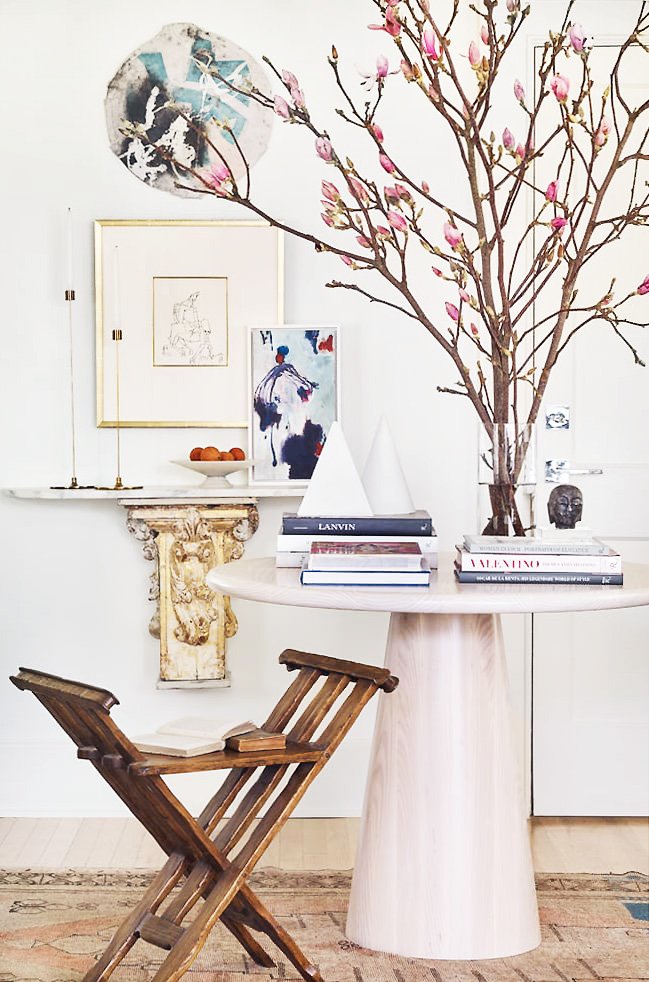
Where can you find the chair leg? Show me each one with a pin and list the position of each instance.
(126, 934)
(246, 940)
(280, 937)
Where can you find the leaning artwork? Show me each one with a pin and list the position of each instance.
(294, 399)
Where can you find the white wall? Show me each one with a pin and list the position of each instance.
(73, 583)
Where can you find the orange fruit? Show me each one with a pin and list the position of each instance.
(227, 455)
(237, 453)
(196, 453)
(210, 453)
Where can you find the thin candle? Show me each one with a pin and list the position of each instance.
(117, 314)
(70, 283)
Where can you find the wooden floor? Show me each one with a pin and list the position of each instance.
(560, 845)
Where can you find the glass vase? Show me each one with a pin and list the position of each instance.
(506, 471)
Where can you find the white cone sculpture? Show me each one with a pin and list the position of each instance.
(335, 488)
(383, 477)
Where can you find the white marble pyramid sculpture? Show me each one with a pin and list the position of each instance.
(383, 477)
(335, 489)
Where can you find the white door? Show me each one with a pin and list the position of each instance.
(590, 739)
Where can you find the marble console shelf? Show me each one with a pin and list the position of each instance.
(185, 531)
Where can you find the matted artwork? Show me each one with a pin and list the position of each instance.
(171, 97)
(190, 320)
(294, 399)
(183, 294)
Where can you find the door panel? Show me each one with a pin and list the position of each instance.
(591, 670)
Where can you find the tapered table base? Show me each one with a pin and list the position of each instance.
(444, 866)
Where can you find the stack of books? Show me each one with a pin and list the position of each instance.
(297, 535)
(193, 736)
(492, 559)
(338, 563)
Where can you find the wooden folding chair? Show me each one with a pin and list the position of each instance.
(206, 862)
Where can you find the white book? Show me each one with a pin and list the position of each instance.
(296, 560)
(303, 543)
(537, 562)
(524, 544)
(190, 736)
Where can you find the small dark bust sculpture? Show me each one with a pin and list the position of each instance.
(565, 506)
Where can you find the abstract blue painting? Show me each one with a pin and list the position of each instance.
(294, 399)
(170, 99)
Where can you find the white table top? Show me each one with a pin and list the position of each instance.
(260, 579)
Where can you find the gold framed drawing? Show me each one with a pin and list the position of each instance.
(183, 294)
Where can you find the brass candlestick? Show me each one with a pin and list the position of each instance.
(119, 484)
(74, 485)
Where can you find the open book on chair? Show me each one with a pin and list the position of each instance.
(191, 736)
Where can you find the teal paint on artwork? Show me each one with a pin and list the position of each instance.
(155, 66)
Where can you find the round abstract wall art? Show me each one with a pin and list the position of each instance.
(172, 102)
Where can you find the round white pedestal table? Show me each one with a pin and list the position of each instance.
(444, 867)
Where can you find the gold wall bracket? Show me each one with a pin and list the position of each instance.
(192, 622)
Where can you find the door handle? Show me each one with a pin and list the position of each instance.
(557, 471)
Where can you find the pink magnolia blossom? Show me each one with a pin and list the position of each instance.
(407, 70)
(386, 163)
(382, 66)
(396, 220)
(330, 191)
(512, 6)
(577, 37)
(452, 311)
(601, 136)
(289, 80)
(391, 194)
(378, 132)
(298, 97)
(391, 26)
(359, 190)
(552, 190)
(428, 45)
(484, 34)
(436, 271)
(519, 91)
(281, 107)
(323, 148)
(643, 289)
(363, 242)
(520, 151)
(560, 85)
(464, 296)
(558, 224)
(452, 235)
(327, 219)
(425, 187)
(474, 55)
(508, 139)
(348, 261)
(219, 172)
(474, 330)
(402, 192)
(383, 231)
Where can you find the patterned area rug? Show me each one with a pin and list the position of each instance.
(54, 925)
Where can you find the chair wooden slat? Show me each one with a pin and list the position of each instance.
(224, 760)
(210, 873)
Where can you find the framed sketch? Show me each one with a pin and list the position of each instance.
(183, 294)
(294, 399)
